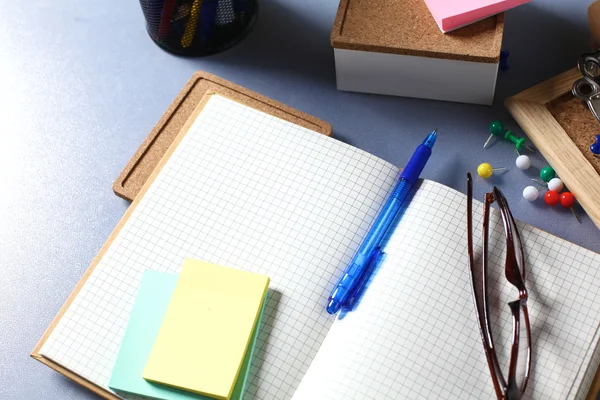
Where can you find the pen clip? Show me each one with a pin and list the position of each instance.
(374, 262)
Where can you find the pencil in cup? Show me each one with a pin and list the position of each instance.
(207, 18)
(153, 11)
(166, 18)
(192, 24)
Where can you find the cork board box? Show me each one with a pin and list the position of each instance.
(395, 47)
(563, 128)
(147, 157)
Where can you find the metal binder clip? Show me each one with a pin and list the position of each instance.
(588, 87)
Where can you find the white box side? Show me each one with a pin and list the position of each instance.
(411, 76)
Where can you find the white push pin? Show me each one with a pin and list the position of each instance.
(555, 184)
(523, 162)
(530, 193)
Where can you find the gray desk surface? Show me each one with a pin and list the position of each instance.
(81, 85)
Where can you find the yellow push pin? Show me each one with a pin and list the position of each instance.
(485, 170)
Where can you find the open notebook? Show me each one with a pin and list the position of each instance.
(248, 190)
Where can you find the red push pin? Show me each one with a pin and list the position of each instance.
(567, 200)
(552, 197)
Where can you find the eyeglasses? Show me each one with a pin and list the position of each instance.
(514, 270)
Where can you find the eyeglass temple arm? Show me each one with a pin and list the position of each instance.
(516, 276)
(528, 362)
(484, 325)
(513, 392)
(488, 200)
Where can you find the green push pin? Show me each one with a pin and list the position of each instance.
(547, 174)
(497, 129)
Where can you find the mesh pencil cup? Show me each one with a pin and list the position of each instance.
(198, 27)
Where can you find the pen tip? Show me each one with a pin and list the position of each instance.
(430, 140)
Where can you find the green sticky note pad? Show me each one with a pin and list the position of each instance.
(144, 324)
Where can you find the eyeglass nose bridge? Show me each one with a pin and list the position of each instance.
(513, 275)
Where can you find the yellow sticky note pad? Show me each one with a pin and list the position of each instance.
(207, 328)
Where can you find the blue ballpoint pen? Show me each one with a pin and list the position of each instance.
(370, 253)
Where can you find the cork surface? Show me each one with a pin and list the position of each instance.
(576, 119)
(407, 27)
(147, 157)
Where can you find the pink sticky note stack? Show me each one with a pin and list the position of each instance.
(454, 14)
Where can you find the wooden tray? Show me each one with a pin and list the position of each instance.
(147, 157)
(562, 128)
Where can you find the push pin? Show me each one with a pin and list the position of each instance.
(523, 162)
(485, 170)
(595, 148)
(497, 129)
(567, 200)
(552, 197)
(531, 193)
(547, 174)
(555, 184)
(504, 60)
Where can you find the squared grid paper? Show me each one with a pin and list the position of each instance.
(246, 190)
(415, 332)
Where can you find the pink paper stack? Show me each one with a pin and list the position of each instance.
(454, 14)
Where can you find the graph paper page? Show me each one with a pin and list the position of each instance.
(246, 190)
(414, 335)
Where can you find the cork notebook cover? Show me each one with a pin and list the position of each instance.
(407, 27)
(146, 158)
